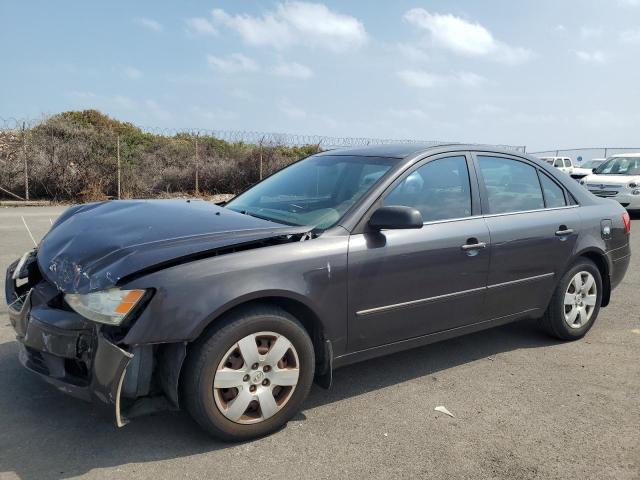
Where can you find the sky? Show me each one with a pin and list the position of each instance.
(545, 74)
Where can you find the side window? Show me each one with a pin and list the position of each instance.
(512, 186)
(558, 163)
(567, 162)
(553, 194)
(439, 189)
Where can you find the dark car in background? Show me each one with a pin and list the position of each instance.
(231, 311)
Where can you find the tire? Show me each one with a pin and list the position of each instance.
(219, 356)
(557, 320)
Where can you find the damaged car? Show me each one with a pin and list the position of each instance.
(231, 311)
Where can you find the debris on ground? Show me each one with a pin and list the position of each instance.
(444, 410)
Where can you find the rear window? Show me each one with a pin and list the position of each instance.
(511, 185)
(553, 193)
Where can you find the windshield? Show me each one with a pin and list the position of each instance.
(591, 164)
(620, 166)
(316, 191)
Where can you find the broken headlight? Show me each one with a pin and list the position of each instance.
(107, 306)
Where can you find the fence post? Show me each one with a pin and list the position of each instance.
(261, 140)
(26, 162)
(197, 172)
(119, 168)
(605, 152)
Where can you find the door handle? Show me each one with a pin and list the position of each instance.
(474, 246)
(564, 232)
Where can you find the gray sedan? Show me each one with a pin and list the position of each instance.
(231, 311)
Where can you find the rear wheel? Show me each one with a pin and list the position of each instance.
(576, 302)
(249, 376)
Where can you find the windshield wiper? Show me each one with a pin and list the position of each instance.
(268, 219)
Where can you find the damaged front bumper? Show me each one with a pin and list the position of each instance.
(64, 348)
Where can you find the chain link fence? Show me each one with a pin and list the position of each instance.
(580, 155)
(83, 156)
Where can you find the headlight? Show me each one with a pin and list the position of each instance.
(633, 185)
(107, 306)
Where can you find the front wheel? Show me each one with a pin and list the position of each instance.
(576, 302)
(250, 375)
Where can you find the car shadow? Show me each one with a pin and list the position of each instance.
(46, 434)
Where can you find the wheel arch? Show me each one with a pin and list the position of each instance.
(289, 302)
(600, 259)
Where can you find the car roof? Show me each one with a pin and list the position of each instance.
(632, 155)
(404, 150)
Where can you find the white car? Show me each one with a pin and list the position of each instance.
(586, 168)
(617, 178)
(561, 163)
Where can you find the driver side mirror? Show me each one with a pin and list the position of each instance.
(593, 170)
(395, 217)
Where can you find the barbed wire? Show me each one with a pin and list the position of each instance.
(251, 137)
(587, 153)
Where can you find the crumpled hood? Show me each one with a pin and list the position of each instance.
(91, 247)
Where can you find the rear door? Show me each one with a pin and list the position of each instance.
(409, 283)
(533, 225)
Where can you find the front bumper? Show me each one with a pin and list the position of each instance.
(624, 198)
(65, 349)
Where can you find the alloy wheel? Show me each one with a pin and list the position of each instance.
(580, 299)
(256, 377)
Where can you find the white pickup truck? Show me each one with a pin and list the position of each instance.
(562, 163)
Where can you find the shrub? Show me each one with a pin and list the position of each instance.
(72, 156)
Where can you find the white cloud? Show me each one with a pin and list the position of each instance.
(150, 24)
(465, 38)
(291, 111)
(423, 79)
(293, 23)
(470, 79)
(629, 3)
(630, 36)
(419, 78)
(409, 113)
(595, 56)
(200, 26)
(488, 109)
(292, 70)
(132, 73)
(234, 63)
(591, 32)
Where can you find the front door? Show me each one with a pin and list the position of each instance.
(408, 283)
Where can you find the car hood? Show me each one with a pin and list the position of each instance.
(91, 247)
(611, 179)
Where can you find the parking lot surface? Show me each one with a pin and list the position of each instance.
(526, 406)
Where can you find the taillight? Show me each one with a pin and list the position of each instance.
(627, 222)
